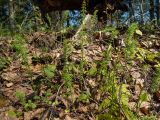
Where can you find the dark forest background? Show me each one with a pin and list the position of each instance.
(23, 14)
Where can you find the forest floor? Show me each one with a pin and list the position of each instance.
(44, 76)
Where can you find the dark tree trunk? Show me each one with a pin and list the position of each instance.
(151, 10)
(118, 15)
(158, 10)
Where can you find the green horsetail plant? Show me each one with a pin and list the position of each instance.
(104, 64)
(130, 43)
(117, 101)
(67, 68)
(115, 104)
(84, 8)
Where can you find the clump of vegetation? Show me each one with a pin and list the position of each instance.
(19, 45)
(3, 62)
(156, 80)
(27, 104)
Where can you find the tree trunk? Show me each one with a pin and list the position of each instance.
(131, 12)
(151, 10)
(141, 11)
(55, 19)
(11, 14)
(117, 17)
(157, 10)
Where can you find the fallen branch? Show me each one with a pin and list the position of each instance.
(86, 22)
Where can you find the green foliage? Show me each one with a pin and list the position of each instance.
(148, 118)
(84, 8)
(26, 104)
(104, 64)
(114, 32)
(46, 96)
(141, 54)
(81, 66)
(19, 45)
(84, 97)
(149, 27)
(36, 60)
(21, 97)
(94, 17)
(3, 62)
(67, 77)
(116, 102)
(147, 56)
(124, 93)
(93, 25)
(155, 86)
(29, 105)
(12, 113)
(93, 70)
(131, 44)
(67, 69)
(49, 70)
(143, 96)
(131, 30)
(67, 50)
(4, 31)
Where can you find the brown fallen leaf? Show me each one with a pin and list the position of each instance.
(10, 76)
(9, 84)
(29, 115)
(69, 118)
(156, 96)
(132, 106)
(82, 109)
(137, 90)
(6, 117)
(144, 110)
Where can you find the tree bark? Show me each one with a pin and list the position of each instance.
(158, 10)
(141, 11)
(117, 17)
(11, 14)
(131, 12)
(55, 19)
(151, 10)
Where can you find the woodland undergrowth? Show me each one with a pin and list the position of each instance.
(105, 75)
